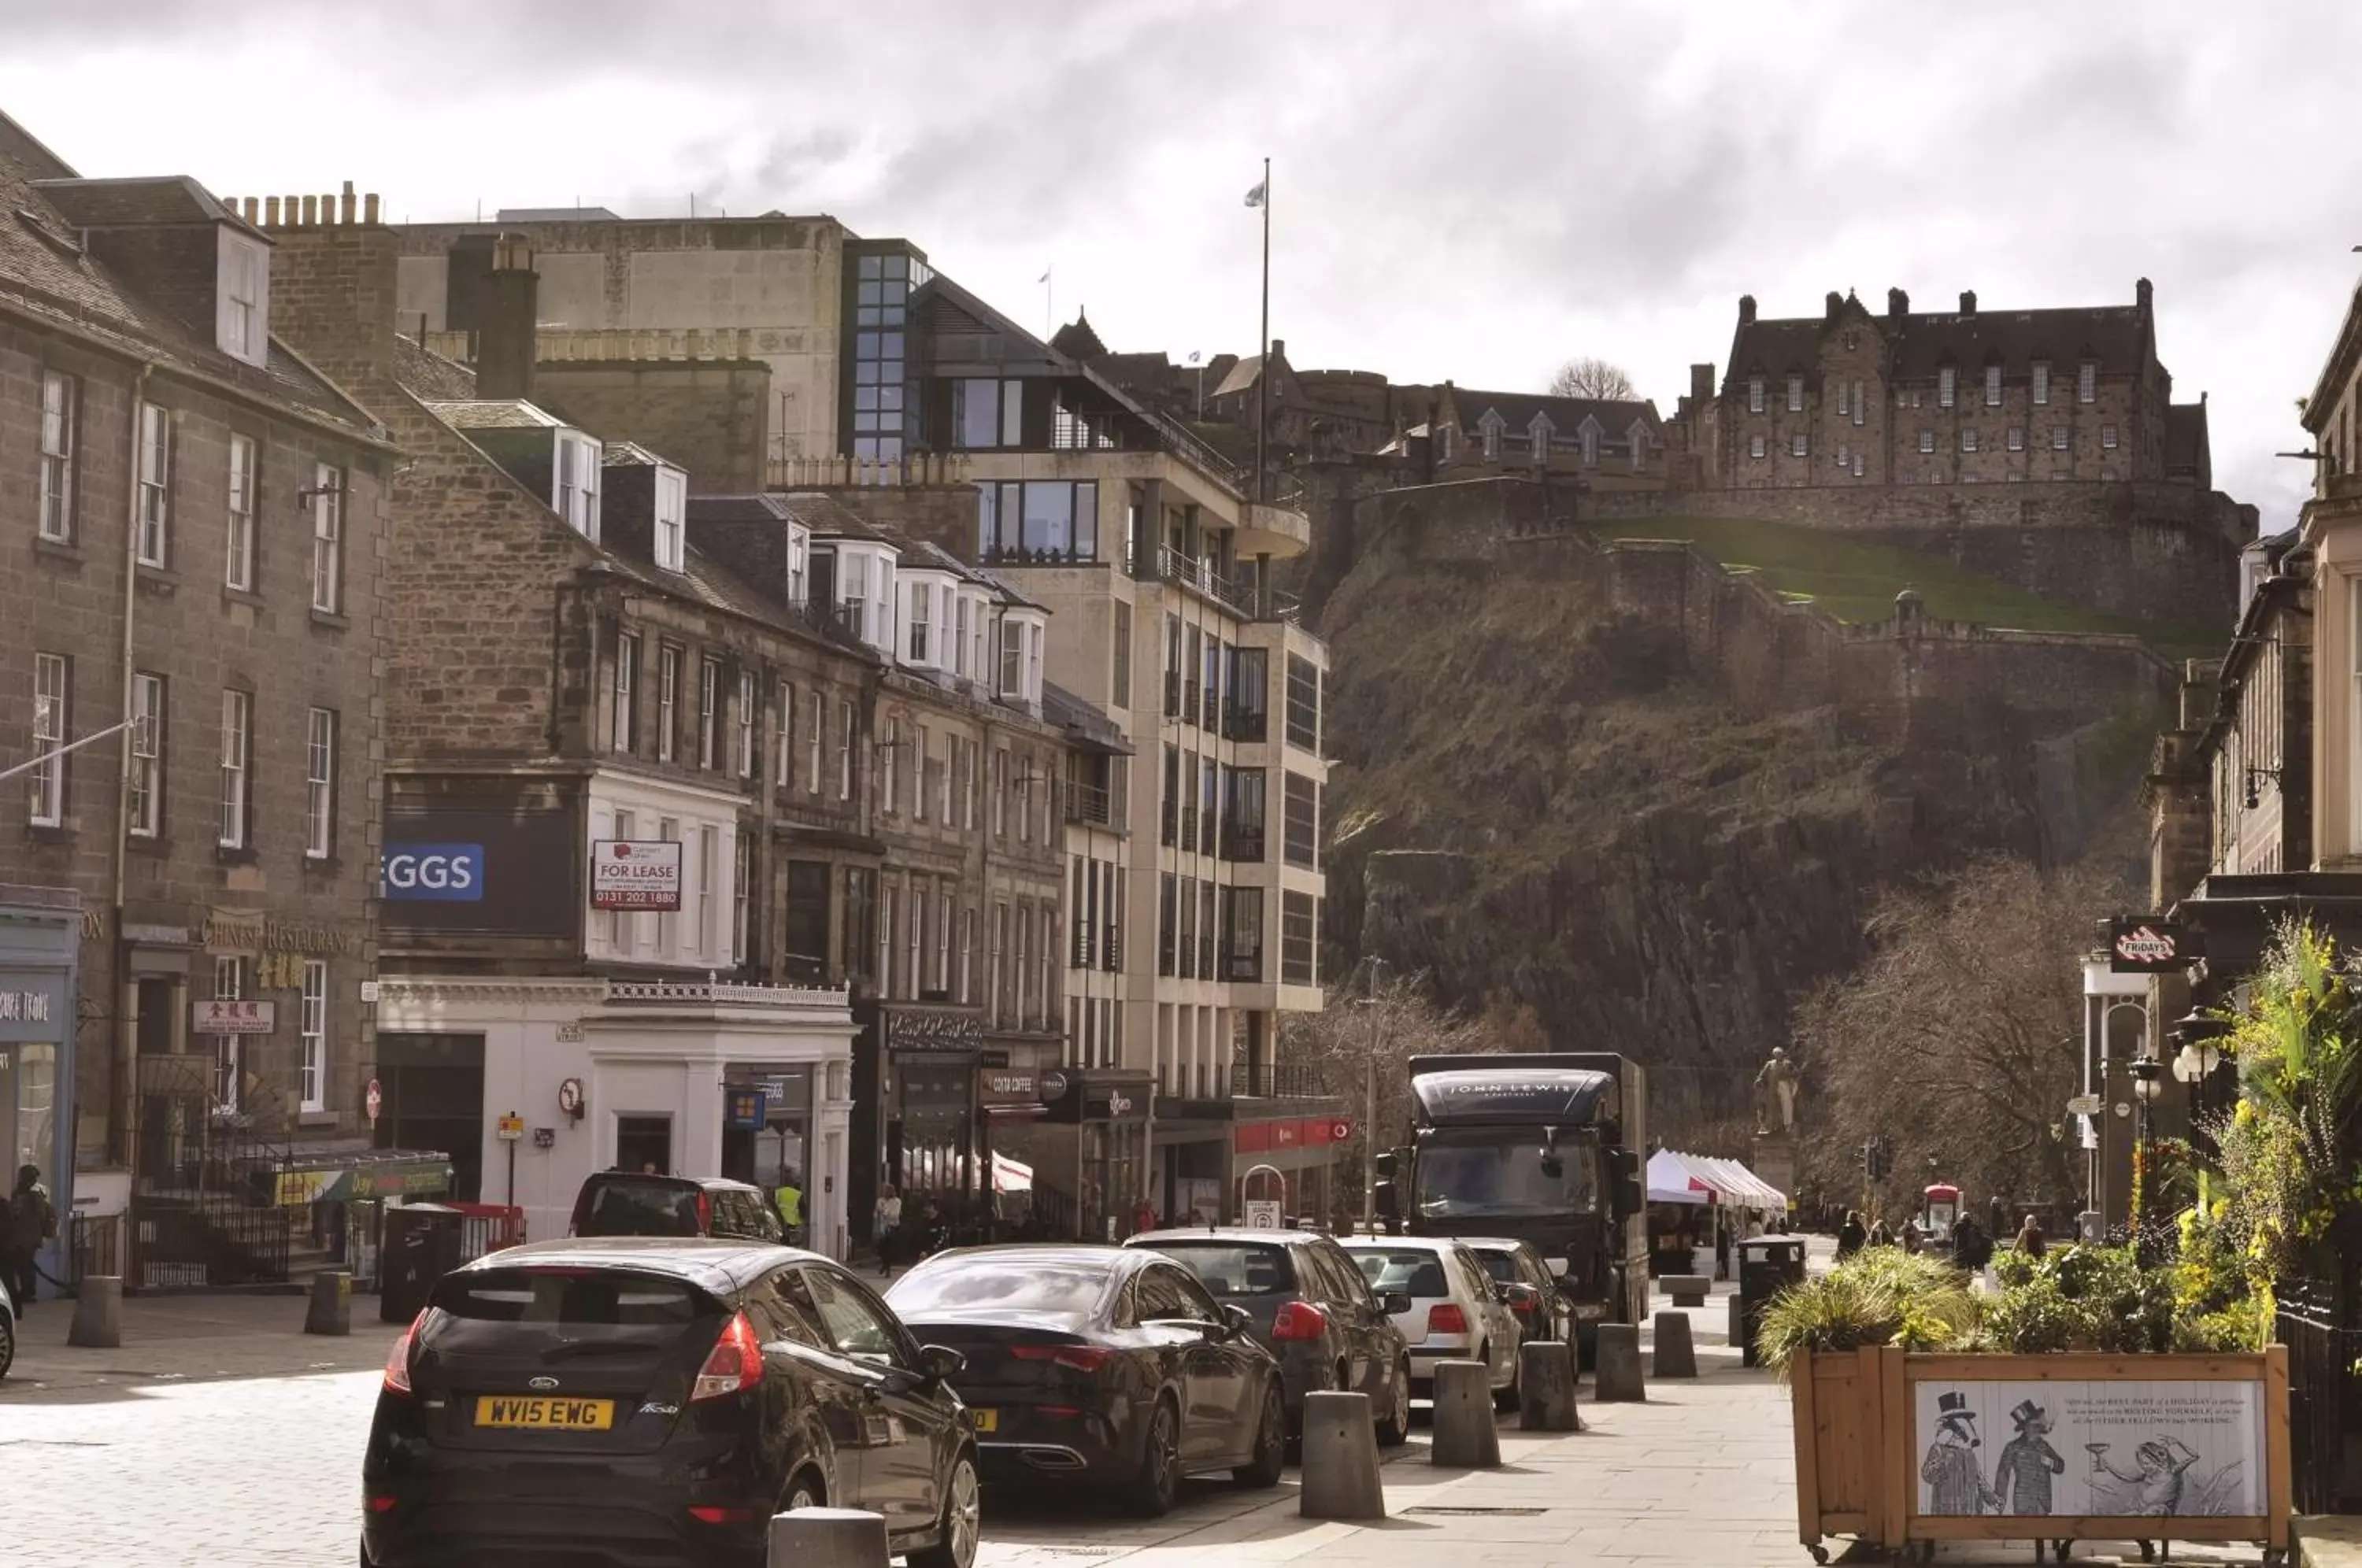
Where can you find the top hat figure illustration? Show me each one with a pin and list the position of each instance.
(1952, 1410)
(2027, 1413)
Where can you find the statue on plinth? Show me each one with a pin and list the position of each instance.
(1775, 1095)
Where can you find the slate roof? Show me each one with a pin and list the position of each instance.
(45, 272)
(429, 376)
(154, 199)
(502, 414)
(631, 454)
(1077, 340)
(1920, 342)
(1566, 414)
(1083, 721)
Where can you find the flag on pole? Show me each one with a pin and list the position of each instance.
(1044, 277)
(1254, 197)
(1195, 356)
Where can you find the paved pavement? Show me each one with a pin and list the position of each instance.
(213, 1439)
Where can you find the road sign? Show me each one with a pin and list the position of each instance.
(1263, 1214)
(512, 1126)
(374, 1100)
(2084, 1105)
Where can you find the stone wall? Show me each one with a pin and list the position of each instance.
(712, 417)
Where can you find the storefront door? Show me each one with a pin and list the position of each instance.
(433, 1089)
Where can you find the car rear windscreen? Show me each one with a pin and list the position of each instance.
(630, 1208)
(1234, 1268)
(597, 1311)
(984, 1284)
(1415, 1272)
(1500, 1266)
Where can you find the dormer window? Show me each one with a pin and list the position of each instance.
(1490, 428)
(1639, 441)
(922, 621)
(576, 482)
(1021, 634)
(1538, 436)
(672, 519)
(865, 591)
(798, 564)
(1590, 444)
(242, 311)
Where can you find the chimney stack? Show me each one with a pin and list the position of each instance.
(1702, 384)
(504, 351)
(1898, 303)
(1746, 310)
(2142, 293)
(1279, 347)
(1836, 302)
(1968, 301)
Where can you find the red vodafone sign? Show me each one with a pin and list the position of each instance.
(1313, 1133)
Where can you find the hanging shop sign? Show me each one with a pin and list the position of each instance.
(635, 873)
(221, 1017)
(744, 1109)
(1011, 1086)
(2148, 944)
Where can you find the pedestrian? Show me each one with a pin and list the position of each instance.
(1912, 1237)
(2030, 1239)
(1722, 1251)
(1998, 1212)
(790, 1201)
(31, 1220)
(1143, 1217)
(1964, 1244)
(1879, 1236)
(885, 1227)
(1851, 1235)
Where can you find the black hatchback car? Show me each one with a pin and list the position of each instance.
(1312, 1308)
(634, 1401)
(635, 1203)
(1100, 1365)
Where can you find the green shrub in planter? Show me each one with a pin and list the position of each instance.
(1881, 1296)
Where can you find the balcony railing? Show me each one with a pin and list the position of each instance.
(1243, 844)
(1243, 968)
(1019, 556)
(1246, 725)
(1277, 1080)
(1088, 804)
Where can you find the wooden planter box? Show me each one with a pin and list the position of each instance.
(1902, 1449)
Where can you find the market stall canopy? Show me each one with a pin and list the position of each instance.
(1677, 1177)
(1008, 1176)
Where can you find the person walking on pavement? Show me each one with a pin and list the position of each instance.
(790, 1201)
(1998, 1213)
(1722, 1251)
(2030, 1239)
(1851, 1235)
(885, 1227)
(1879, 1236)
(31, 1220)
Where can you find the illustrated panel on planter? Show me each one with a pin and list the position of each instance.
(2098, 1449)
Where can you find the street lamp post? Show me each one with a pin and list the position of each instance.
(1370, 1098)
(2195, 1063)
(2147, 1084)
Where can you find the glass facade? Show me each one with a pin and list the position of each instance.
(884, 422)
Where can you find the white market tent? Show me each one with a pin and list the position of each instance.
(1677, 1177)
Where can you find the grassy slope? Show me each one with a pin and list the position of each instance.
(1857, 580)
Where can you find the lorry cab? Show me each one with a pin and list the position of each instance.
(1535, 1148)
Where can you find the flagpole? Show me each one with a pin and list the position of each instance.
(1049, 301)
(1263, 374)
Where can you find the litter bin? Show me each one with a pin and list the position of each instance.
(1767, 1266)
(421, 1244)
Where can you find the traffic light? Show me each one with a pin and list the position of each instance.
(1877, 1158)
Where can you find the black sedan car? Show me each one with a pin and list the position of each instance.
(1542, 1309)
(1312, 1308)
(632, 1401)
(1100, 1365)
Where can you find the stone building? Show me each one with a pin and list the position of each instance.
(192, 529)
(1969, 396)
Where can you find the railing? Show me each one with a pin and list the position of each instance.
(2321, 1396)
(1111, 948)
(1246, 724)
(1243, 968)
(1277, 1080)
(1019, 556)
(1087, 803)
(210, 1241)
(1243, 844)
(93, 1246)
(488, 1228)
(721, 993)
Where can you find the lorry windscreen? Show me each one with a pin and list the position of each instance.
(1503, 1173)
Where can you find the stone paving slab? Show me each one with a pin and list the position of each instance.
(189, 1339)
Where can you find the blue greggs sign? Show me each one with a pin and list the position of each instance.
(433, 873)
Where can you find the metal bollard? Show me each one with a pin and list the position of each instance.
(331, 1311)
(1546, 1369)
(827, 1538)
(1464, 1433)
(1340, 1459)
(98, 1313)
(1619, 1378)
(1676, 1351)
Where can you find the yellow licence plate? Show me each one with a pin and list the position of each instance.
(986, 1420)
(535, 1410)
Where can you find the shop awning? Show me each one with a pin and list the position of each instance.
(1010, 1176)
(1677, 1177)
(379, 1173)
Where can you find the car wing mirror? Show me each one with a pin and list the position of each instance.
(1394, 1303)
(1236, 1322)
(940, 1363)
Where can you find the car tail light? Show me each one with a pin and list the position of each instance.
(1060, 1412)
(734, 1365)
(1299, 1320)
(705, 1514)
(382, 1505)
(705, 1215)
(397, 1360)
(1075, 1358)
(1447, 1319)
(1523, 1306)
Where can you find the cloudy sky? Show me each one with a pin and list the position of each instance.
(1474, 192)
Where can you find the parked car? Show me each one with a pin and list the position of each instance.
(1101, 1365)
(1527, 1286)
(1312, 1308)
(632, 1203)
(1454, 1314)
(635, 1401)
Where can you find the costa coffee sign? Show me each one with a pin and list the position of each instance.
(2146, 944)
(1011, 1087)
(635, 873)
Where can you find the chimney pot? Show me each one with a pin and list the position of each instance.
(311, 211)
(1836, 304)
(1968, 301)
(345, 206)
(1897, 303)
(253, 209)
(2142, 293)
(1701, 383)
(270, 212)
(368, 209)
(1746, 309)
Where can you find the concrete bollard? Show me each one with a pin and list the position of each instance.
(1687, 1289)
(1738, 1329)
(1619, 1378)
(1676, 1351)
(827, 1538)
(1340, 1459)
(1464, 1433)
(98, 1313)
(331, 1311)
(1546, 1371)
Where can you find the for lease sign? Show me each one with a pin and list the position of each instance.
(635, 873)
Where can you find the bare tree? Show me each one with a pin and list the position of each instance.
(1356, 1047)
(1957, 1040)
(1593, 377)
